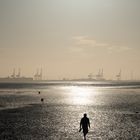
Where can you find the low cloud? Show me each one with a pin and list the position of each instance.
(82, 43)
(86, 41)
(118, 49)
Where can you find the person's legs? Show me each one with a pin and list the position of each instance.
(85, 136)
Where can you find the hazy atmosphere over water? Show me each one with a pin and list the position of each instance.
(70, 38)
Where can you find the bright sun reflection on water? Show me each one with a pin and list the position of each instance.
(80, 95)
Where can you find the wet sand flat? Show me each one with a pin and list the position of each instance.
(51, 122)
(114, 112)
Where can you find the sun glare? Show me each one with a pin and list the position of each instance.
(79, 95)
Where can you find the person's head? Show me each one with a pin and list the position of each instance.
(85, 115)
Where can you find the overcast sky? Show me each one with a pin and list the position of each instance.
(70, 38)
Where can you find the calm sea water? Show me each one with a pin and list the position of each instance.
(113, 109)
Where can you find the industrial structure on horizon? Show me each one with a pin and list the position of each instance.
(16, 77)
(118, 76)
(38, 76)
(99, 76)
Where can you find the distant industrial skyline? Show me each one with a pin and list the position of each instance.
(70, 38)
(100, 75)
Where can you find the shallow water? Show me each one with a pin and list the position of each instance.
(113, 111)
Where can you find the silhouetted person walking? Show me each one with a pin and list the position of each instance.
(84, 124)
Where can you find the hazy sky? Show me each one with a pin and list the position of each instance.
(70, 38)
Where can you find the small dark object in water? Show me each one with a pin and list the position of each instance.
(136, 112)
(42, 100)
(38, 92)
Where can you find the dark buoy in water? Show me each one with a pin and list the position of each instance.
(42, 100)
(38, 92)
(136, 112)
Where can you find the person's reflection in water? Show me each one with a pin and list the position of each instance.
(84, 124)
